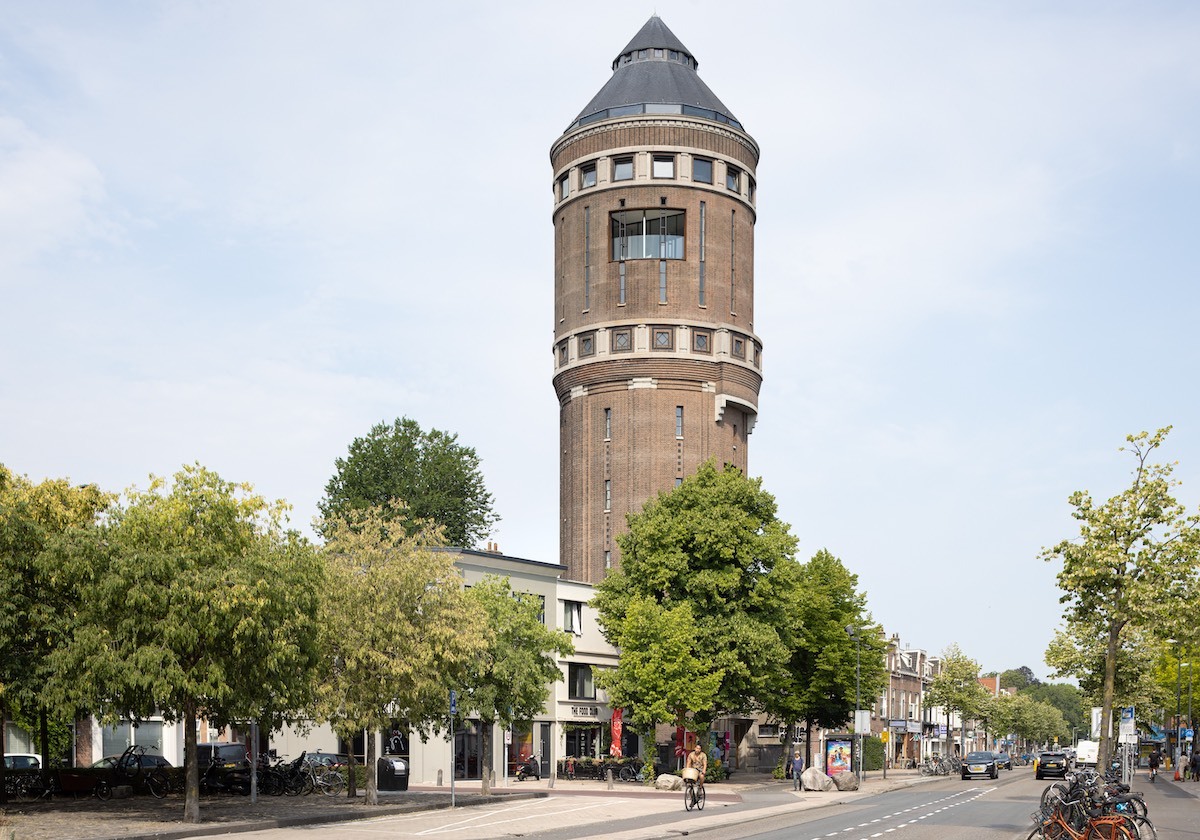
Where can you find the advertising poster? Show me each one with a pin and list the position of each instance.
(837, 757)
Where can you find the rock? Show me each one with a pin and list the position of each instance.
(668, 782)
(814, 779)
(846, 781)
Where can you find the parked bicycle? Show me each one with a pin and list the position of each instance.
(635, 772)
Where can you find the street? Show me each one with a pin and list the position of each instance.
(941, 809)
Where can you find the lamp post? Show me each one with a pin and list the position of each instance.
(857, 684)
(1178, 674)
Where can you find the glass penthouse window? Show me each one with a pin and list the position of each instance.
(647, 234)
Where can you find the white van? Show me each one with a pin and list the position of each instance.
(1087, 753)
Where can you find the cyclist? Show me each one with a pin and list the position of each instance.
(1155, 761)
(698, 760)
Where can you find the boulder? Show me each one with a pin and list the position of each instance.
(668, 782)
(846, 781)
(814, 779)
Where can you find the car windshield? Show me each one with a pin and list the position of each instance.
(979, 756)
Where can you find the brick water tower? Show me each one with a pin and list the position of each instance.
(657, 366)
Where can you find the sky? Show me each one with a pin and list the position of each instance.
(242, 233)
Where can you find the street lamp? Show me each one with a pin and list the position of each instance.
(857, 684)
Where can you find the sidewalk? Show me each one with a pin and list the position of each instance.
(146, 818)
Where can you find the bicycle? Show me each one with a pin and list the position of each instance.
(633, 773)
(693, 791)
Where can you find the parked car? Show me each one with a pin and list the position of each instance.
(147, 761)
(230, 756)
(1053, 763)
(22, 761)
(980, 764)
(1004, 760)
(328, 759)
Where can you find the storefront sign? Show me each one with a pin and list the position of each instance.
(586, 711)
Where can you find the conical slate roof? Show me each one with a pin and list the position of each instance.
(655, 74)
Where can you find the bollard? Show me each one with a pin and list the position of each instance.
(608, 776)
(550, 783)
(439, 784)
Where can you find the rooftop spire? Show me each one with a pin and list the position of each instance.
(655, 74)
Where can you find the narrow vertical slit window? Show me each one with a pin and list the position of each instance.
(678, 421)
(662, 281)
(621, 286)
(702, 278)
(732, 260)
(608, 494)
(587, 258)
(608, 424)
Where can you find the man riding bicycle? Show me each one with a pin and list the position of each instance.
(1155, 762)
(698, 760)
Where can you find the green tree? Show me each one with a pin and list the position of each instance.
(398, 631)
(956, 688)
(191, 601)
(509, 680)
(826, 665)
(436, 478)
(1132, 564)
(31, 621)
(1018, 678)
(1067, 698)
(716, 544)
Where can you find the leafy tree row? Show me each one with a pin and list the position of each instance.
(192, 599)
(714, 616)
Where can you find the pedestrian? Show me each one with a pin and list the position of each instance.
(1196, 763)
(797, 769)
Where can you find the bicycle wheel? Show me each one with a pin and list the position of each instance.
(626, 774)
(689, 796)
(103, 790)
(700, 800)
(30, 788)
(1142, 825)
(332, 783)
(1053, 795)
(158, 784)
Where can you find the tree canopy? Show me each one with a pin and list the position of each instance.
(714, 544)
(826, 665)
(398, 632)
(509, 680)
(1132, 564)
(437, 479)
(189, 600)
(956, 687)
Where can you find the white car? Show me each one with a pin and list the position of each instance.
(22, 761)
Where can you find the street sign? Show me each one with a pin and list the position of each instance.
(453, 702)
(862, 721)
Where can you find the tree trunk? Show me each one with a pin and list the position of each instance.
(372, 797)
(485, 743)
(808, 725)
(44, 737)
(1106, 703)
(191, 796)
(351, 774)
(3, 733)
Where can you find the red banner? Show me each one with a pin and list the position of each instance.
(680, 748)
(615, 748)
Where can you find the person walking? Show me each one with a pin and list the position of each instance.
(1196, 763)
(797, 769)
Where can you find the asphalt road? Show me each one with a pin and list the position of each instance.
(937, 809)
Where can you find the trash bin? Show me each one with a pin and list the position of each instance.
(391, 773)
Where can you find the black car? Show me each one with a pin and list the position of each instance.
(1004, 760)
(148, 762)
(1052, 764)
(227, 756)
(980, 764)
